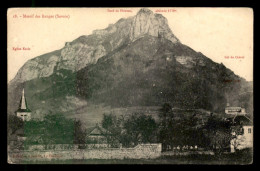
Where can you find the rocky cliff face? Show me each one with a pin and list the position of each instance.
(148, 23)
(86, 50)
(137, 61)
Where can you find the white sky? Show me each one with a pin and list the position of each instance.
(215, 32)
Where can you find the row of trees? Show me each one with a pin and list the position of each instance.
(214, 134)
(130, 130)
(53, 129)
(57, 129)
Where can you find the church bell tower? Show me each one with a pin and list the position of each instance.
(23, 112)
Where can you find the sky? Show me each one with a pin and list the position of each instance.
(224, 35)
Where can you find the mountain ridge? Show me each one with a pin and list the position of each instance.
(123, 65)
(88, 49)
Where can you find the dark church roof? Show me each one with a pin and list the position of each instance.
(23, 110)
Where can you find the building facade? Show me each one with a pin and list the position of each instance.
(235, 110)
(242, 133)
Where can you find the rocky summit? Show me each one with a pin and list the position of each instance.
(86, 50)
(137, 61)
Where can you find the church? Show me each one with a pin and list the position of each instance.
(23, 112)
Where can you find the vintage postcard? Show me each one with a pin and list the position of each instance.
(130, 85)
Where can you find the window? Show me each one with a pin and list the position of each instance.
(242, 130)
(249, 130)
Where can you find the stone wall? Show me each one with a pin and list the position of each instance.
(187, 153)
(65, 146)
(143, 151)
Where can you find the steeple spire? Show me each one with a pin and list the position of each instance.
(23, 103)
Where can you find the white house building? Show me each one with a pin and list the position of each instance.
(235, 110)
(240, 118)
(23, 112)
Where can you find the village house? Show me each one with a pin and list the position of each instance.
(244, 137)
(96, 135)
(235, 110)
(100, 137)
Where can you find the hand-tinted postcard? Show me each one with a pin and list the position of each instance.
(130, 85)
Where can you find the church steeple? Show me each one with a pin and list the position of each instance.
(23, 112)
(23, 104)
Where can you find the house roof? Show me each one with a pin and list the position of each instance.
(97, 130)
(243, 120)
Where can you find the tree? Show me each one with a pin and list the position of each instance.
(192, 132)
(139, 128)
(238, 139)
(165, 113)
(14, 123)
(79, 133)
(54, 129)
(186, 132)
(59, 130)
(218, 131)
(112, 123)
(35, 132)
(168, 129)
(113, 127)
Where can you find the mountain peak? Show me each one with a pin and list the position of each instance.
(88, 49)
(144, 10)
(146, 22)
